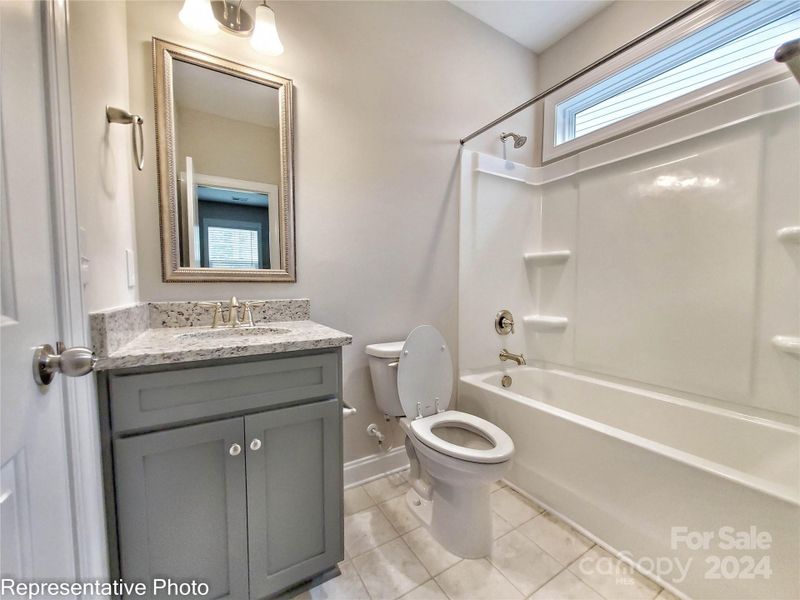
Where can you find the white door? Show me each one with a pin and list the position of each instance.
(37, 540)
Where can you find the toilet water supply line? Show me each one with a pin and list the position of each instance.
(373, 431)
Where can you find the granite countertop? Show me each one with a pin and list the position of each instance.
(167, 333)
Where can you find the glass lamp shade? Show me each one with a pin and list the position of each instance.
(198, 16)
(265, 34)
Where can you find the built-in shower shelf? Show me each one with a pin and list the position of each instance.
(787, 343)
(790, 234)
(541, 259)
(545, 323)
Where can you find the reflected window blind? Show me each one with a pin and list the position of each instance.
(230, 248)
(738, 41)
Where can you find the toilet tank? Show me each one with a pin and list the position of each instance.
(384, 376)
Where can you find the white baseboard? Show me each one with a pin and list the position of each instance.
(374, 466)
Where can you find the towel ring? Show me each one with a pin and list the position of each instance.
(117, 115)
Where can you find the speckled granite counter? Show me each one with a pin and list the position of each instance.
(155, 333)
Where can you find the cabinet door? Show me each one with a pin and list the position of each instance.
(181, 506)
(294, 494)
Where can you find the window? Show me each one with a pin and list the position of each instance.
(233, 248)
(725, 40)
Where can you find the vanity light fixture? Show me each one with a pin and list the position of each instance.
(198, 16)
(265, 35)
(209, 16)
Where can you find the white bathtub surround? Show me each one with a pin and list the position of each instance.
(540, 558)
(653, 291)
(630, 465)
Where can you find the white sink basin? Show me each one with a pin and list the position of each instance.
(232, 332)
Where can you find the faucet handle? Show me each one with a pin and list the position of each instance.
(504, 322)
(217, 311)
(249, 306)
(248, 313)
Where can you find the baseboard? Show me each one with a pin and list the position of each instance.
(374, 466)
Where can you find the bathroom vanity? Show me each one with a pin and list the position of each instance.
(222, 447)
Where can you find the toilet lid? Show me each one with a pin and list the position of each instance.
(425, 372)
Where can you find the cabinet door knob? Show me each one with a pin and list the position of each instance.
(235, 450)
(255, 444)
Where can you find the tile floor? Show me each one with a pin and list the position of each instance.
(388, 555)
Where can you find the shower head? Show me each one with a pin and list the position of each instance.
(789, 53)
(519, 140)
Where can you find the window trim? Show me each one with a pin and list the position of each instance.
(732, 85)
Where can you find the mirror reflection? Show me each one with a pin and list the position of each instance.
(228, 163)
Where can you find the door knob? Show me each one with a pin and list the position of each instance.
(255, 444)
(235, 450)
(73, 362)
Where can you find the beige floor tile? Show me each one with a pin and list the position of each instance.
(391, 570)
(386, 488)
(500, 526)
(665, 595)
(399, 515)
(427, 591)
(565, 586)
(476, 580)
(356, 499)
(513, 507)
(612, 578)
(366, 530)
(347, 586)
(430, 552)
(496, 485)
(523, 563)
(556, 537)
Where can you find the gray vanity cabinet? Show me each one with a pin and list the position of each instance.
(247, 495)
(293, 494)
(182, 510)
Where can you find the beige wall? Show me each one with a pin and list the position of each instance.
(254, 157)
(103, 156)
(384, 90)
(606, 31)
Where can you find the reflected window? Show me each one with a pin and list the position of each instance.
(234, 228)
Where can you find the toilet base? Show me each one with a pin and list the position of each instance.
(459, 518)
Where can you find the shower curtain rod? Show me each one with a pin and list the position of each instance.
(647, 34)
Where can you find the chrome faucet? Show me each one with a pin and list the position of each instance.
(517, 358)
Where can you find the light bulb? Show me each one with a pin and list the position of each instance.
(265, 34)
(198, 16)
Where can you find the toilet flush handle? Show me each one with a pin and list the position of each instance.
(393, 364)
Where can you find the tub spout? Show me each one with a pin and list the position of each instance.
(517, 358)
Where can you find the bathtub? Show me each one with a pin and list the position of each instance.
(703, 499)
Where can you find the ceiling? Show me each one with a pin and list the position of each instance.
(209, 91)
(536, 24)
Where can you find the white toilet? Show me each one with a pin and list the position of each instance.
(454, 456)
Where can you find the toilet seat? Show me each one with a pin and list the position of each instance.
(503, 446)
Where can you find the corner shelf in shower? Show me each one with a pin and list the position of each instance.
(541, 259)
(545, 323)
(787, 343)
(790, 234)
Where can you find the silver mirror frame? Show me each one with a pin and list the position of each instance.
(163, 55)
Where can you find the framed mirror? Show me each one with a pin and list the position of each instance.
(224, 145)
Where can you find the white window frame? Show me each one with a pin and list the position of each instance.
(747, 79)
